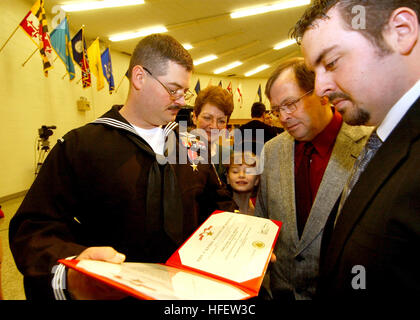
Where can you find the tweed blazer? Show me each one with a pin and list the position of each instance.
(297, 266)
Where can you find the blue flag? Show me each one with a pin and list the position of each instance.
(60, 41)
(259, 93)
(107, 69)
(78, 46)
(197, 87)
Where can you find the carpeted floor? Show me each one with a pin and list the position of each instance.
(11, 278)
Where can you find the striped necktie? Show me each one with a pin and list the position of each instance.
(372, 145)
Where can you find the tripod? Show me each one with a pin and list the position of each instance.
(45, 146)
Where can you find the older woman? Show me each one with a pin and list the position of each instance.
(212, 109)
(201, 189)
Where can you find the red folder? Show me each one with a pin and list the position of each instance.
(225, 258)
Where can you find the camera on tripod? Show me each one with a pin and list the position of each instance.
(43, 145)
(45, 132)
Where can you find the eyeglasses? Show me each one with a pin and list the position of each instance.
(174, 94)
(220, 122)
(289, 107)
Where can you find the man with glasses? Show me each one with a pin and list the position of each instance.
(102, 193)
(305, 169)
(175, 94)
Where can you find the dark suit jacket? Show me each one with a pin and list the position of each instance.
(248, 132)
(269, 131)
(376, 240)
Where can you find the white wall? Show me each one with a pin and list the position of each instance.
(248, 88)
(30, 100)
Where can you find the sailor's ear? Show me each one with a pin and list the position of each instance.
(137, 77)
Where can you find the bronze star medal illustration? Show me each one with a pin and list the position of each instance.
(193, 145)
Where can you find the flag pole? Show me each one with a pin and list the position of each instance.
(116, 90)
(29, 58)
(10, 37)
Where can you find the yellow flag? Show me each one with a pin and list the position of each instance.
(95, 64)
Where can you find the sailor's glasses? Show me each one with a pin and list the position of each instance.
(174, 94)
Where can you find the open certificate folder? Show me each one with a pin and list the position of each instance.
(225, 259)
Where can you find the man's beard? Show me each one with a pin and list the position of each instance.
(353, 116)
(360, 118)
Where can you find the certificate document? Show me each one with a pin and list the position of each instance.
(225, 258)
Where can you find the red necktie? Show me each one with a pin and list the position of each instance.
(303, 194)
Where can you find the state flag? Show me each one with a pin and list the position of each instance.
(95, 64)
(107, 69)
(240, 98)
(259, 93)
(36, 27)
(60, 40)
(197, 87)
(78, 46)
(229, 88)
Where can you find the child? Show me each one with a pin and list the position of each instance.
(243, 179)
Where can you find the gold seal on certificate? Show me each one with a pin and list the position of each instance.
(258, 244)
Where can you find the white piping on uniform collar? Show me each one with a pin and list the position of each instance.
(115, 123)
(169, 127)
(126, 126)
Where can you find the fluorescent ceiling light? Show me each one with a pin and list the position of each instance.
(256, 70)
(228, 67)
(138, 34)
(205, 59)
(92, 5)
(284, 44)
(268, 8)
(187, 46)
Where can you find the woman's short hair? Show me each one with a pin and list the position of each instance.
(217, 96)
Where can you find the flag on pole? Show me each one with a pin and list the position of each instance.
(240, 98)
(229, 88)
(125, 76)
(35, 25)
(197, 86)
(95, 64)
(220, 83)
(259, 93)
(107, 69)
(60, 40)
(78, 45)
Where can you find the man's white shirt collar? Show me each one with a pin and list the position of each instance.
(398, 111)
